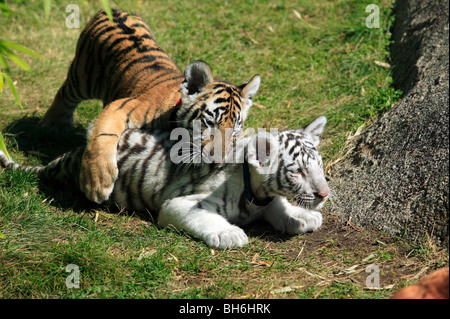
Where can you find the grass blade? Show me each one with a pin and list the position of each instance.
(4, 9)
(1, 82)
(3, 148)
(20, 48)
(13, 89)
(47, 8)
(18, 61)
(107, 7)
(3, 63)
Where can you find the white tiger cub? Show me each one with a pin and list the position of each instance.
(211, 201)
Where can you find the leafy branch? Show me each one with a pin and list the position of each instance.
(7, 52)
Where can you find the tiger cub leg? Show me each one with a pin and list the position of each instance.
(70, 94)
(99, 163)
(285, 217)
(60, 113)
(196, 217)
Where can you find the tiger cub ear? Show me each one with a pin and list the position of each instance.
(248, 90)
(315, 128)
(197, 75)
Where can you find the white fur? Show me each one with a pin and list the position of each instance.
(248, 92)
(214, 229)
(287, 218)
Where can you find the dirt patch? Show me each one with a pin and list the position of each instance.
(339, 260)
(344, 254)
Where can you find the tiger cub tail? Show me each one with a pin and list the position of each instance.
(64, 169)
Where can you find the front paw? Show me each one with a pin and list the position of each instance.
(226, 239)
(303, 222)
(97, 178)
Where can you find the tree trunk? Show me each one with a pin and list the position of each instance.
(395, 176)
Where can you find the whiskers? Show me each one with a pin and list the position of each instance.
(333, 201)
(191, 155)
(304, 200)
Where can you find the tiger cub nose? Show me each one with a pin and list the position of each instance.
(322, 193)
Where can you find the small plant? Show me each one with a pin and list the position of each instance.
(7, 49)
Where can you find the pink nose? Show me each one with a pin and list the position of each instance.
(323, 193)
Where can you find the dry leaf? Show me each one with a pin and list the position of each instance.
(349, 270)
(265, 263)
(381, 288)
(251, 39)
(317, 294)
(281, 290)
(145, 253)
(285, 289)
(256, 261)
(383, 64)
(173, 257)
(45, 200)
(371, 256)
(311, 274)
(297, 14)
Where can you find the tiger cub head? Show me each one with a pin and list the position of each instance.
(288, 164)
(215, 110)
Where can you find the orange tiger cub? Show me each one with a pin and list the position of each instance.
(121, 64)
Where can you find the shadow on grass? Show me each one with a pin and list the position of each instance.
(26, 135)
(265, 232)
(31, 138)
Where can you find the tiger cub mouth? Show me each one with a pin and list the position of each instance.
(308, 200)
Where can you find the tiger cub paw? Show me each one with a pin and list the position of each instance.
(303, 221)
(231, 237)
(97, 178)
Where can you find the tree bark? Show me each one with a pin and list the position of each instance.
(395, 176)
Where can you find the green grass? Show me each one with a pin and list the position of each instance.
(322, 64)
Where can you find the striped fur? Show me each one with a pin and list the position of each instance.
(209, 200)
(121, 64)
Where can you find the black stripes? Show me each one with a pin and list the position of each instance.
(279, 175)
(222, 100)
(126, 29)
(124, 103)
(140, 186)
(108, 135)
(107, 57)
